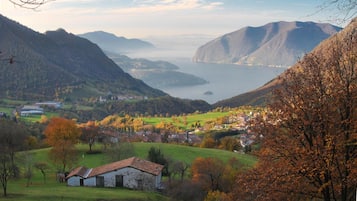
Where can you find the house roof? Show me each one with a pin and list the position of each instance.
(137, 163)
(79, 171)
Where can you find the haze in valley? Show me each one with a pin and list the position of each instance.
(177, 28)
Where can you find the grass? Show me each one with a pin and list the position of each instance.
(52, 190)
(189, 154)
(14, 102)
(37, 118)
(59, 191)
(190, 119)
(177, 152)
(7, 110)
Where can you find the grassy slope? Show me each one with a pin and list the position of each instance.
(191, 119)
(53, 191)
(188, 154)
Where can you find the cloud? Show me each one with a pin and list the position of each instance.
(153, 6)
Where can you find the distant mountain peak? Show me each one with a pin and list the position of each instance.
(274, 44)
(102, 35)
(117, 44)
(261, 95)
(59, 64)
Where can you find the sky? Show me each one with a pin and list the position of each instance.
(148, 18)
(176, 27)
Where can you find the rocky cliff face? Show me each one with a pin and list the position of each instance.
(278, 44)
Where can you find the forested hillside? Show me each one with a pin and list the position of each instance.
(59, 65)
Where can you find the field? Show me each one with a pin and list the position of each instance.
(188, 154)
(52, 190)
(190, 119)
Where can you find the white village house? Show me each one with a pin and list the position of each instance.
(133, 173)
(27, 110)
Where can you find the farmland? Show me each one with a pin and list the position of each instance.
(53, 190)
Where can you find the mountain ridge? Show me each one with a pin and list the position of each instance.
(118, 44)
(158, 74)
(278, 44)
(261, 95)
(57, 65)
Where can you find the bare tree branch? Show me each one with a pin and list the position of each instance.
(29, 4)
(340, 11)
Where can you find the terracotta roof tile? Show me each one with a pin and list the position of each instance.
(79, 171)
(137, 163)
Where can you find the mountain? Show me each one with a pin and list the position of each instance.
(274, 44)
(61, 65)
(113, 43)
(157, 74)
(261, 95)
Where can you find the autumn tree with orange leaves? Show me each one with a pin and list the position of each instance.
(208, 172)
(309, 148)
(62, 134)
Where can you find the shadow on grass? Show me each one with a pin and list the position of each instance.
(11, 196)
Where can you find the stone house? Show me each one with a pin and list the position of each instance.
(133, 173)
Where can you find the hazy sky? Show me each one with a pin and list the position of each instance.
(153, 18)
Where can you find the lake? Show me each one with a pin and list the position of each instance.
(225, 80)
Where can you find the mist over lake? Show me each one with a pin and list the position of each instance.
(225, 80)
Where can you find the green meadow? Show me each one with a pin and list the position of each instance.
(52, 190)
(190, 119)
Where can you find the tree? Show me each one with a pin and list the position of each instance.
(12, 137)
(185, 190)
(180, 168)
(62, 134)
(5, 171)
(43, 167)
(310, 143)
(217, 195)
(344, 9)
(208, 172)
(27, 161)
(90, 132)
(138, 124)
(229, 143)
(155, 155)
(208, 142)
(44, 119)
(120, 151)
(29, 4)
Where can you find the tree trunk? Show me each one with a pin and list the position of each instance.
(4, 186)
(44, 176)
(5, 192)
(90, 147)
(326, 194)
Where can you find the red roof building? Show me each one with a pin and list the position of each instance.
(133, 173)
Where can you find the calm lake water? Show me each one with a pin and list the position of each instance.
(225, 80)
